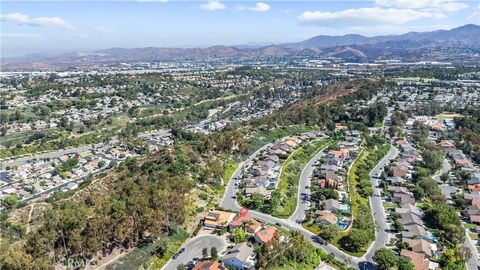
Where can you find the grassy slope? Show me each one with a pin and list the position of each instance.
(290, 175)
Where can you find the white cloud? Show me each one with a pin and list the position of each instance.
(259, 7)
(102, 29)
(23, 19)
(367, 16)
(427, 5)
(213, 5)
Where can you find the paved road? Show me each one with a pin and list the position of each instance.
(446, 167)
(193, 249)
(302, 206)
(473, 263)
(56, 154)
(227, 201)
(381, 230)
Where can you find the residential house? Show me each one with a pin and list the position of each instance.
(414, 231)
(419, 261)
(208, 265)
(325, 183)
(421, 246)
(249, 191)
(396, 180)
(333, 205)
(410, 219)
(246, 221)
(218, 219)
(265, 235)
(240, 257)
(403, 199)
(400, 171)
(325, 217)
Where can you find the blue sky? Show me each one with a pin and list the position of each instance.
(62, 26)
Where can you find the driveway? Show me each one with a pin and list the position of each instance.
(193, 249)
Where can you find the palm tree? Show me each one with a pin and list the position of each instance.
(246, 224)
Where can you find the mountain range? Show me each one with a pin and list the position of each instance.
(412, 46)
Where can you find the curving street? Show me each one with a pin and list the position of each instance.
(304, 182)
(193, 249)
(228, 202)
(365, 262)
(381, 234)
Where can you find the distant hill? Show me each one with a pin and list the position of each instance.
(435, 45)
(464, 36)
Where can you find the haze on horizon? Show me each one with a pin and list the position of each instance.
(61, 26)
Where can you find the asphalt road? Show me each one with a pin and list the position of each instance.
(381, 230)
(229, 203)
(56, 154)
(304, 182)
(446, 167)
(193, 249)
(473, 263)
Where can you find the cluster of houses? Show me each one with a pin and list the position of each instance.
(471, 194)
(434, 122)
(410, 94)
(329, 172)
(262, 175)
(242, 255)
(421, 243)
(157, 139)
(240, 112)
(42, 176)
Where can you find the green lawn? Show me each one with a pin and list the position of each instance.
(367, 159)
(312, 228)
(474, 236)
(469, 226)
(290, 176)
(173, 246)
(355, 198)
(389, 205)
(229, 168)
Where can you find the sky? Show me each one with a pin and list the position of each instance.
(52, 27)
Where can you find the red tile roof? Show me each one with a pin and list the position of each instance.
(266, 235)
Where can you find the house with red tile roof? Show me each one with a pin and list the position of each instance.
(246, 221)
(208, 265)
(265, 235)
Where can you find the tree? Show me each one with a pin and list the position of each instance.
(112, 164)
(444, 177)
(398, 225)
(11, 201)
(214, 253)
(182, 267)
(239, 235)
(385, 258)
(355, 240)
(404, 263)
(205, 253)
(329, 232)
